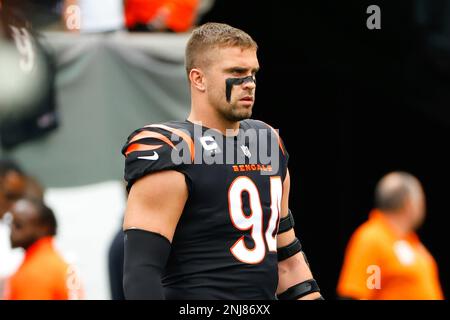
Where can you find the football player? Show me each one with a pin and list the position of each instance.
(207, 214)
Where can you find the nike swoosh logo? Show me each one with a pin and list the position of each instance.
(154, 157)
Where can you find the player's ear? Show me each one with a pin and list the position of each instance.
(197, 78)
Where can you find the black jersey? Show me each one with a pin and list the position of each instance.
(224, 246)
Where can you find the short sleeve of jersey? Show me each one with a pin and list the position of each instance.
(149, 150)
(284, 156)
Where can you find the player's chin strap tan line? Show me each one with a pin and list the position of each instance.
(300, 289)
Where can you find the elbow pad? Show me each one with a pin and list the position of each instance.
(146, 255)
(286, 223)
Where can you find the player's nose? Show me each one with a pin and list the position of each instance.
(249, 85)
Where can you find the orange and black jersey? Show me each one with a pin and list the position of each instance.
(224, 246)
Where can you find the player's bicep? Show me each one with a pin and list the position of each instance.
(155, 203)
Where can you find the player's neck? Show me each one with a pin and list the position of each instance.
(213, 121)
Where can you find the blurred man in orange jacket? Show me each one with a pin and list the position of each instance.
(43, 275)
(385, 258)
(160, 15)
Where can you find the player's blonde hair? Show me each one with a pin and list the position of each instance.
(212, 35)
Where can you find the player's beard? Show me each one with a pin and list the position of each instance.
(234, 112)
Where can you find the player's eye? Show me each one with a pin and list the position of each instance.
(238, 71)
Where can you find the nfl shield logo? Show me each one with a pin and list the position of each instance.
(246, 151)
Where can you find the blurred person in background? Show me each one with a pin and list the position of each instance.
(33, 229)
(12, 187)
(14, 184)
(385, 259)
(161, 15)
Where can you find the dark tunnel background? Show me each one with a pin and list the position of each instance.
(353, 104)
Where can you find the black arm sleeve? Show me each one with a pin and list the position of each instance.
(146, 255)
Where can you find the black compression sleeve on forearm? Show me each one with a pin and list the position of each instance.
(146, 255)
